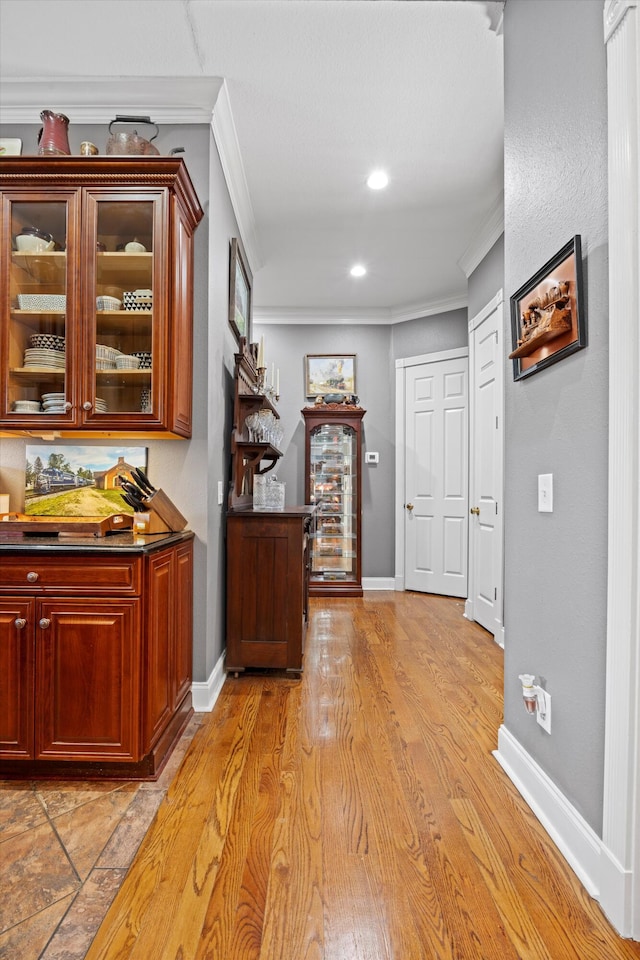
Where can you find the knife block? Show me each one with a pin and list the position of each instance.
(162, 516)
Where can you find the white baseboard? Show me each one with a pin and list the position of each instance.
(399, 583)
(577, 842)
(616, 894)
(378, 583)
(206, 693)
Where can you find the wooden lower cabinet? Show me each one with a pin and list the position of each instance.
(267, 588)
(95, 685)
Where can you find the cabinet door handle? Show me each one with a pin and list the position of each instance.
(87, 405)
(68, 405)
(32, 576)
(44, 623)
(19, 623)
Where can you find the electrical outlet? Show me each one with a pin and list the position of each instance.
(220, 493)
(543, 709)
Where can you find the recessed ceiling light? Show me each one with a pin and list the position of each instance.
(377, 180)
(358, 270)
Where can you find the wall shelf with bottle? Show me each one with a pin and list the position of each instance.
(256, 436)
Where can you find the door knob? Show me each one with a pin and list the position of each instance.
(475, 511)
(409, 507)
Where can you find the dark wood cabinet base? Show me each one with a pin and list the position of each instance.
(149, 768)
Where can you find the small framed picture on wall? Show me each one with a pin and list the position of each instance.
(239, 294)
(547, 313)
(328, 373)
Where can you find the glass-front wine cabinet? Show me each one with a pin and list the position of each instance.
(333, 455)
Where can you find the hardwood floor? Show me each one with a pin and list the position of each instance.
(356, 814)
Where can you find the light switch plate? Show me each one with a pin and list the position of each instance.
(545, 493)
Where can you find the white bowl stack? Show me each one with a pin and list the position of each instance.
(106, 357)
(27, 406)
(127, 362)
(108, 303)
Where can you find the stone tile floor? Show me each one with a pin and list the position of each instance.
(65, 848)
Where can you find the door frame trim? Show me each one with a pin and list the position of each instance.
(620, 879)
(401, 365)
(495, 305)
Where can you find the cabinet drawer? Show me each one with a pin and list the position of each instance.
(81, 575)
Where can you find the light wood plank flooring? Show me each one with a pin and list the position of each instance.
(356, 814)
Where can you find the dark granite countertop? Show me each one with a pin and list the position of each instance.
(127, 542)
(306, 510)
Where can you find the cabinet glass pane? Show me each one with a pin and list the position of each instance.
(124, 307)
(38, 310)
(333, 486)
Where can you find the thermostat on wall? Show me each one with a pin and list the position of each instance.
(372, 458)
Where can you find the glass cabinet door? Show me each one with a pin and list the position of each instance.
(333, 487)
(38, 302)
(124, 306)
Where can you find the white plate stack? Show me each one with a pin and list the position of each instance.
(43, 359)
(101, 405)
(54, 403)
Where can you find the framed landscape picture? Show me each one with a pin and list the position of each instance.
(328, 373)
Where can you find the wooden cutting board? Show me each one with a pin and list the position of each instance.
(11, 523)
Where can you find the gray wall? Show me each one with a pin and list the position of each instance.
(486, 279)
(188, 470)
(286, 345)
(442, 331)
(556, 421)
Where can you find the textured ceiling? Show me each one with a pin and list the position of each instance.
(321, 91)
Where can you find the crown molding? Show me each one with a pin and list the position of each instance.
(614, 13)
(356, 316)
(429, 308)
(308, 315)
(495, 12)
(99, 99)
(490, 231)
(226, 139)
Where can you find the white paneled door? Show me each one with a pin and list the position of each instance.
(436, 476)
(485, 602)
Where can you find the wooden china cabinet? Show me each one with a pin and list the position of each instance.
(333, 472)
(267, 551)
(96, 273)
